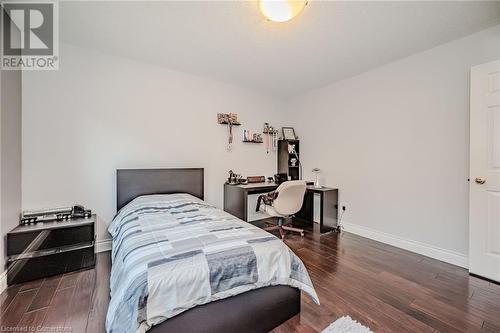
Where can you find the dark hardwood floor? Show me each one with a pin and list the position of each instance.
(385, 288)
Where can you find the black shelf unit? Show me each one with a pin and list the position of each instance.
(284, 159)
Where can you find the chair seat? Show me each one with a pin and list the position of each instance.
(271, 211)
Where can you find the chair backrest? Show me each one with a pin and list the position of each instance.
(290, 197)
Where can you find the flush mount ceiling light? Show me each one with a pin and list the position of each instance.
(281, 10)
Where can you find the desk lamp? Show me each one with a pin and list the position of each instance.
(316, 171)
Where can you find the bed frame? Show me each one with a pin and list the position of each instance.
(255, 311)
(131, 183)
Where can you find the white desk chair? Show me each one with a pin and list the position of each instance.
(288, 202)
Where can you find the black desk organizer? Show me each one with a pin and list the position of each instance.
(50, 248)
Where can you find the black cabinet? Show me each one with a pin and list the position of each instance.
(50, 248)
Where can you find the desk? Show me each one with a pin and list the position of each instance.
(236, 203)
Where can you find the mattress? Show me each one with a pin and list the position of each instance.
(174, 252)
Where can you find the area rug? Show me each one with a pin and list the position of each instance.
(345, 324)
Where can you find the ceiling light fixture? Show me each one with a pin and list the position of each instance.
(281, 10)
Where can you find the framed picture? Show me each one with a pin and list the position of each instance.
(288, 133)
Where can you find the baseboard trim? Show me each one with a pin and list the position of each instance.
(3, 281)
(103, 245)
(427, 250)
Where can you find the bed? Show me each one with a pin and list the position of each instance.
(182, 265)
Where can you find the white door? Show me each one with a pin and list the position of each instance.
(484, 210)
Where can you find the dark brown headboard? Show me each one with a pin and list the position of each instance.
(132, 183)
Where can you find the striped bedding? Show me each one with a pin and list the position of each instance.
(174, 252)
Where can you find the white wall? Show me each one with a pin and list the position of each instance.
(395, 141)
(10, 156)
(10, 160)
(100, 112)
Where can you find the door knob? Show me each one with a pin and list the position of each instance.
(480, 180)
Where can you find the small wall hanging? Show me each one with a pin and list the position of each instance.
(229, 119)
(270, 137)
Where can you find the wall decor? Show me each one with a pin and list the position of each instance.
(229, 119)
(270, 137)
(257, 137)
(288, 133)
(249, 136)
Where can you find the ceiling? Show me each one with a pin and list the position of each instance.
(232, 42)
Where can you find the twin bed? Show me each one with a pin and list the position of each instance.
(182, 265)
